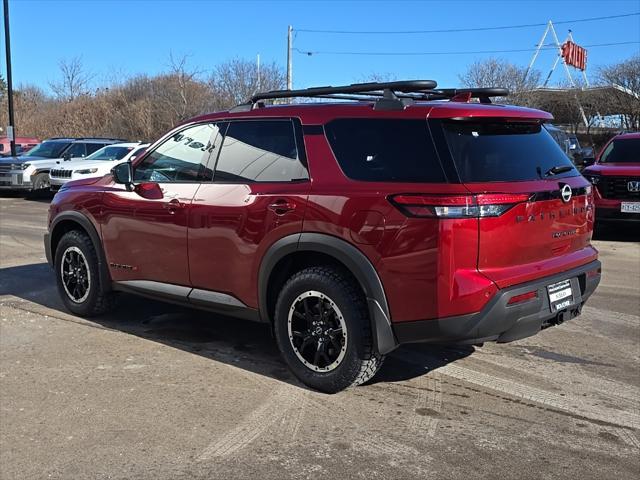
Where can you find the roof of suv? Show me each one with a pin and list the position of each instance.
(85, 140)
(317, 113)
(400, 99)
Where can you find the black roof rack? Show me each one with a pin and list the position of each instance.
(388, 95)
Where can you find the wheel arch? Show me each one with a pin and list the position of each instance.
(316, 248)
(73, 220)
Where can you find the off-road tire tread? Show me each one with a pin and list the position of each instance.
(372, 360)
(104, 301)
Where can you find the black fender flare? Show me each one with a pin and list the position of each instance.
(87, 225)
(357, 263)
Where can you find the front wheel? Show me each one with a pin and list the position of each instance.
(78, 276)
(323, 330)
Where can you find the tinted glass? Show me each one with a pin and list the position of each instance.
(622, 151)
(93, 147)
(259, 151)
(494, 151)
(181, 158)
(76, 150)
(385, 150)
(48, 149)
(109, 153)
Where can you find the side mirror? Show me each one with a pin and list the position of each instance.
(123, 174)
(66, 156)
(588, 161)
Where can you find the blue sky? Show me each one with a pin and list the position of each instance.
(120, 38)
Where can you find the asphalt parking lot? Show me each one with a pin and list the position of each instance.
(158, 391)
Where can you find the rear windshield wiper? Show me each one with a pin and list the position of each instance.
(558, 169)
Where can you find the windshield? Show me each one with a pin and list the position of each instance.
(109, 153)
(625, 150)
(499, 151)
(48, 150)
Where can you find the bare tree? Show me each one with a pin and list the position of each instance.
(625, 78)
(75, 80)
(495, 72)
(236, 80)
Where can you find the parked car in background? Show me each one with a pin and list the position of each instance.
(560, 137)
(616, 179)
(30, 172)
(349, 228)
(97, 164)
(23, 145)
(581, 156)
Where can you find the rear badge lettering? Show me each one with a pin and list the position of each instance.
(564, 233)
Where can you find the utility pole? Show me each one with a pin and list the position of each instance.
(10, 130)
(289, 58)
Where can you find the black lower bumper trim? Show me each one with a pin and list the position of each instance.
(501, 322)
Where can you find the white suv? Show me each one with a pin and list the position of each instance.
(97, 164)
(30, 172)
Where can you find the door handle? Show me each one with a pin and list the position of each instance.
(173, 205)
(281, 207)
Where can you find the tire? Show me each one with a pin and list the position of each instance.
(337, 306)
(41, 183)
(80, 286)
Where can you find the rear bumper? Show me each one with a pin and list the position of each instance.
(501, 322)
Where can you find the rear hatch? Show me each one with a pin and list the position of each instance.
(535, 209)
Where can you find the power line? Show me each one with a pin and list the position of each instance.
(475, 52)
(459, 30)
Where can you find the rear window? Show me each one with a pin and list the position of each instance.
(499, 151)
(385, 150)
(622, 151)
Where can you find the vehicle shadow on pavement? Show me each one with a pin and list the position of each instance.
(617, 232)
(241, 343)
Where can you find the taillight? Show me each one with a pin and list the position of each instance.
(457, 206)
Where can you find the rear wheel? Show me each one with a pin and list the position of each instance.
(78, 276)
(323, 330)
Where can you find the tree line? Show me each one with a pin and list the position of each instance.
(140, 107)
(143, 107)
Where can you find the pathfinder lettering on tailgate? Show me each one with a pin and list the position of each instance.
(562, 213)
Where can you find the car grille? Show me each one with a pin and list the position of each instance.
(57, 173)
(617, 188)
(5, 168)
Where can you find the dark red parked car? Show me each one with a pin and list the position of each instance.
(408, 215)
(616, 179)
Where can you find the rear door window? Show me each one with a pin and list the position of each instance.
(260, 151)
(385, 150)
(503, 151)
(93, 147)
(76, 150)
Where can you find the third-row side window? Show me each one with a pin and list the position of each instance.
(385, 150)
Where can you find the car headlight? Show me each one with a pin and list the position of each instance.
(20, 166)
(86, 170)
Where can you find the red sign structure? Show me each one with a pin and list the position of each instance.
(574, 55)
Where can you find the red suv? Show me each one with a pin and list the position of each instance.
(616, 179)
(408, 214)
